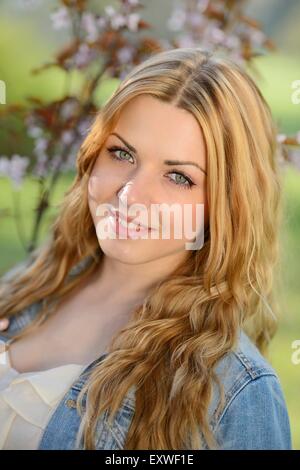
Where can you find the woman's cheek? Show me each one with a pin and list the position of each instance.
(94, 187)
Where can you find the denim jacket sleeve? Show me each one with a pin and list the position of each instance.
(16, 269)
(256, 417)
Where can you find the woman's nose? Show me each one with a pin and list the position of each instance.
(135, 200)
(135, 191)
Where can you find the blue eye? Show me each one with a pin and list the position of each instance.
(113, 150)
(186, 184)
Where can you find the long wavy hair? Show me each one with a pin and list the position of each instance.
(190, 320)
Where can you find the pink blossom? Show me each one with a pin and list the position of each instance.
(202, 4)
(118, 21)
(258, 37)
(84, 56)
(84, 125)
(125, 54)
(186, 40)
(177, 19)
(89, 25)
(195, 20)
(232, 42)
(40, 169)
(67, 137)
(281, 138)
(101, 22)
(35, 131)
(40, 146)
(60, 18)
(109, 10)
(133, 21)
(54, 162)
(217, 35)
(14, 168)
(68, 108)
(133, 2)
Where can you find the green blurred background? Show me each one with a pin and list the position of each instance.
(34, 44)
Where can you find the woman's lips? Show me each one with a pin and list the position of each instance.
(131, 230)
(128, 228)
(126, 221)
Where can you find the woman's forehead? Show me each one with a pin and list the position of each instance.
(154, 127)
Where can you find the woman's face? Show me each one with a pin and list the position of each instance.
(145, 186)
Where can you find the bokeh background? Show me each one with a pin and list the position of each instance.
(28, 40)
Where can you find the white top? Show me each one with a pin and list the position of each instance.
(27, 400)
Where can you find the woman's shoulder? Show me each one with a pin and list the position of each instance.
(245, 362)
(21, 319)
(25, 316)
(254, 414)
(242, 365)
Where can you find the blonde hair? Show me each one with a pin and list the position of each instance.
(191, 319)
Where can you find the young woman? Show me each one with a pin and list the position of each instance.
(140, 341)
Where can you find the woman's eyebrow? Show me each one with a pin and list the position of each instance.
(167, 162)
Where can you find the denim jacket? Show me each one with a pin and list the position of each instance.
(254, 415)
